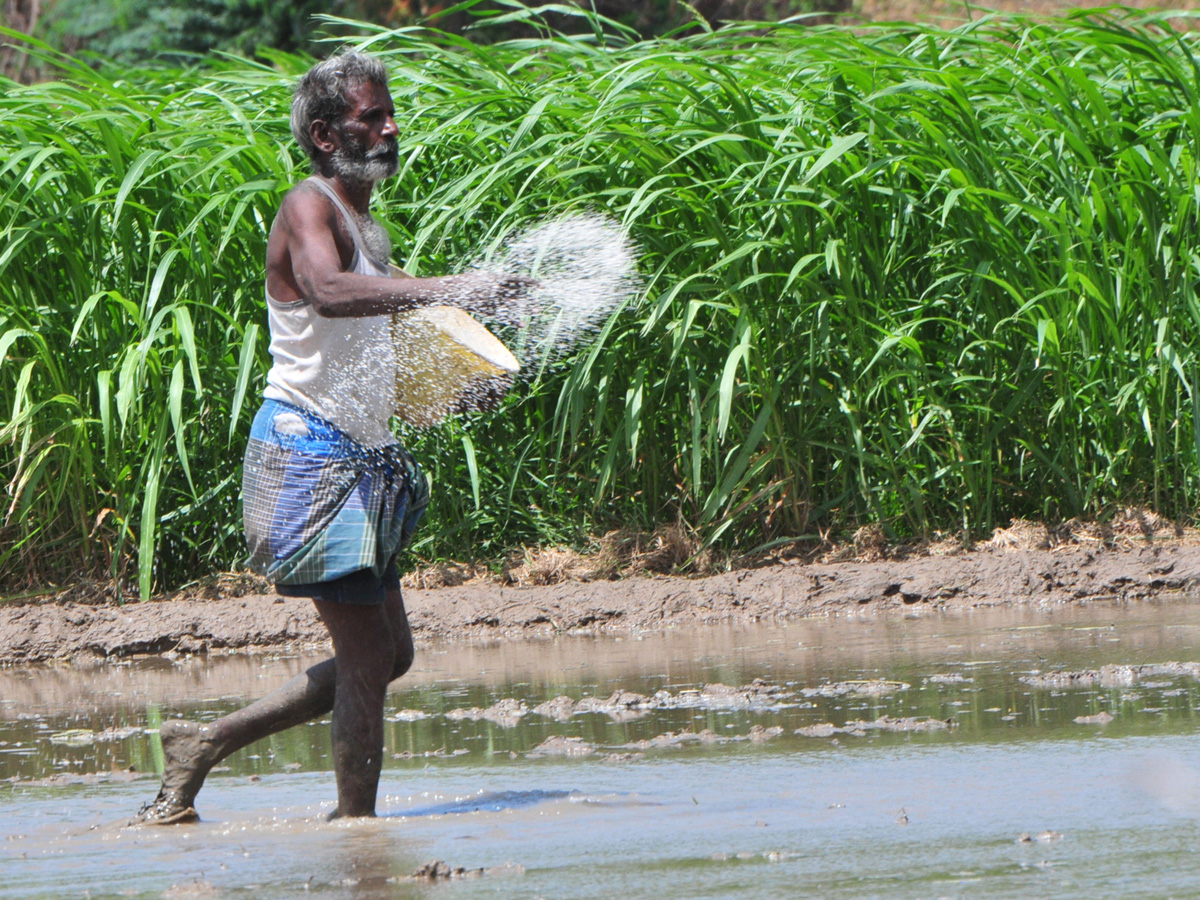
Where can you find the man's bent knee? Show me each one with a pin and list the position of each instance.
(363, 640)
(401, 633)
(405, 654)
(368, 663)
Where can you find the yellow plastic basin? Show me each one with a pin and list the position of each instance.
(443, 357)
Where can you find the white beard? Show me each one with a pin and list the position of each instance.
(352, 162)
(365, 171)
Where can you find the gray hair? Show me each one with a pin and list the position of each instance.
(321, 92)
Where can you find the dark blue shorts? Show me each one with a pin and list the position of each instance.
(361, 588)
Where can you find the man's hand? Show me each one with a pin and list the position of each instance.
(500, 296)
(484, 395)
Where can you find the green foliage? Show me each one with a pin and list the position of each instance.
(133, 30)
(134, 216)
(932, 278)
(647, 18)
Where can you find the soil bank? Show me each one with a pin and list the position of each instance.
(985, 577)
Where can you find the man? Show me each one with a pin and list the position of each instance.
(329, 495)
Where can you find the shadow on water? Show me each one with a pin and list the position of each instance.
(487, 802)
(1048, 753)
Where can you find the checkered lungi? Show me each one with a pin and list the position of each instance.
(317, 505)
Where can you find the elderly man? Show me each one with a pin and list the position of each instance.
(329, 495)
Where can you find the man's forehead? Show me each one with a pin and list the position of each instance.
(367, 94)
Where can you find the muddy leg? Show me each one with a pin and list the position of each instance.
(191, 749)
(366, 655)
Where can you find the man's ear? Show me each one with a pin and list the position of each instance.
(322, 135)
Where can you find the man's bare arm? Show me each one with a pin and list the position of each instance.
(333, 293)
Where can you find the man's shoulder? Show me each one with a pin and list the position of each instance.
(305, 203)
(302, 192)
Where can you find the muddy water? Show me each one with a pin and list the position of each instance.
(967, 756)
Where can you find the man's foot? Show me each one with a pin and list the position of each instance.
(168, 808)
(334, 815)
(188, 755)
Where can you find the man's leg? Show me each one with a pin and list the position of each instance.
(192, 749)
(366, 655)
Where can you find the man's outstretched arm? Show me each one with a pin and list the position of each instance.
(316, 269)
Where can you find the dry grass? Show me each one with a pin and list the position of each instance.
(1127, 528)
(1021, 534)
(671, 550)
(675, 551)
(224, 584)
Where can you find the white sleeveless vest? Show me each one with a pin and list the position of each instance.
(342, 369)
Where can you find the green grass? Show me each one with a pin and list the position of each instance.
(934, 279)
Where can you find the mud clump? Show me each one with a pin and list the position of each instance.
(63, 779)
(561, 708)
(408, 715)
(621, 706)
(756, 694)
(507, 713)
(80, 737)
(557, 745)
(625, 706)
(870, 688)
(1110, 676)
(859, 728)
(438, 870)
(1100, 718)
(760, 734)
(440, 753)
(949, 678)
(671, 740)
(908, 723)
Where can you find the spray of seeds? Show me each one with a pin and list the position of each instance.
(584, 266)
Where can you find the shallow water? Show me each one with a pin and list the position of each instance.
(692, 797)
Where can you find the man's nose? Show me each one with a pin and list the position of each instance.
(389, 128)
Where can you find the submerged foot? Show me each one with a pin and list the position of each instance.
(188, 755)
(168, 808)
(335, 814)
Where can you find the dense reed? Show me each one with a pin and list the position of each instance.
(933, 279)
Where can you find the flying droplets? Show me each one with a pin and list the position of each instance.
(583, 266)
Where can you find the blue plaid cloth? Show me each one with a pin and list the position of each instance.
(318, 505)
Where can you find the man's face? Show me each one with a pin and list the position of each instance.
(367, 149)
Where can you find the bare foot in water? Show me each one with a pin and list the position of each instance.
(188, 755)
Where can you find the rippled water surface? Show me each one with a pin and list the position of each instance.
(942, 756)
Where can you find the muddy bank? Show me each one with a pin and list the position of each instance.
(994, 576)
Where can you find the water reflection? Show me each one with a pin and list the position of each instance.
(66, 725)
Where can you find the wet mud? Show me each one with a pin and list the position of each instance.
(859, 728)
(438, 870)
(1111, 676)
(987, 577)
(626, 706)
